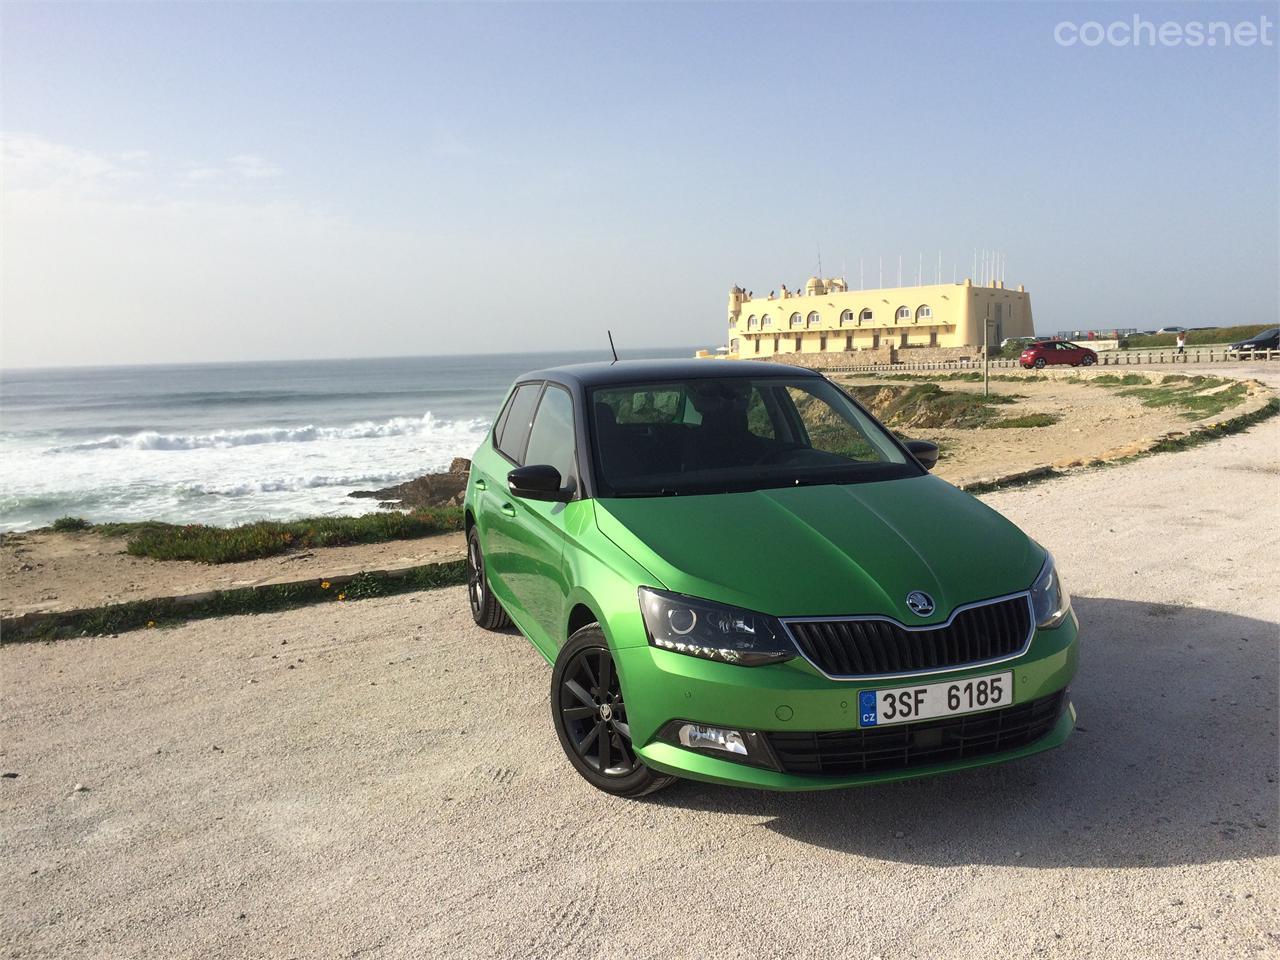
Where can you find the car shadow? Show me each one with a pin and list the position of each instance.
(1174, 761)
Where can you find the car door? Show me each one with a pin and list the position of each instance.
(1062, 353)
(534, 529)
(495, 515)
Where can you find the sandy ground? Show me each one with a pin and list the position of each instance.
(66, 571)
(381, 779)
(1095, 423)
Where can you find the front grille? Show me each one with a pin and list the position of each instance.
(871, 648)
(842, 753)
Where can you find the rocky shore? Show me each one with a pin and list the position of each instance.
(430, 490)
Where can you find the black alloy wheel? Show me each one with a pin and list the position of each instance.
(1089, 361)
(590, 716)
(1040, 362)
(485, 608)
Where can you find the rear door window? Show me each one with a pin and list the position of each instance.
(551, 440)
(515, 425)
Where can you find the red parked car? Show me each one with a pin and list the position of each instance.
(1056, 351)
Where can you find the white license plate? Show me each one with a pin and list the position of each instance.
(882, 708)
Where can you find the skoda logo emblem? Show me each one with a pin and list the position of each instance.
(920, 603)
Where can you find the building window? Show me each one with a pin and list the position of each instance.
(751, 322)
(875, 340)
(924, 312)
(735, 345)
(814, 319)
(846, 318)
(822, 343)
(864, 316)
(848, 341)
(775, 344)
(757, 344)
(797, 341)
(797, 320)
(904, 313)
(933, 337)
(904, 338)
(733, 322)
(766, 321)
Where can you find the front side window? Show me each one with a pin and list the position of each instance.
(513, 429)
(797, 320)
(720, 435)
(846, 318)
(766, 321)
(551, 439)
(904, 313)
(814, 318)
(924, 312)
(751, 322)
(865, 316)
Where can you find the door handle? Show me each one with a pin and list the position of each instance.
(509, 510)
(481, 485)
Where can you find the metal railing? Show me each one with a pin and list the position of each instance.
(1118, 358)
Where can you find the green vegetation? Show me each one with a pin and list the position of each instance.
(141, 614)
(1196, 437)
(926, 405)
(70, 524)
(266, 538)
(1196, 337)
(1198, 397)
(1027, 420)
(1117, 380)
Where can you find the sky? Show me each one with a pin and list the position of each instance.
(197, 182)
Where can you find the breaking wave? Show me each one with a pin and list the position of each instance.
(427, 425)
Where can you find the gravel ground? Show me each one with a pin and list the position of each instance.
(380, 779)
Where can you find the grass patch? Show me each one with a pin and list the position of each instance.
(1195, 438)
(69, 524)
(926, 405)
(1197, 397)
(1118, 380)
(144, 614)
(1213, 335)
(1026, 421)
(267, 538)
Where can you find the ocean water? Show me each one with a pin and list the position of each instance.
(227, 443)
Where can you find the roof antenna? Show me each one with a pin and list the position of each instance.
(612, 347)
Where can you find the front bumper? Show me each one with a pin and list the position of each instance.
(794, 697)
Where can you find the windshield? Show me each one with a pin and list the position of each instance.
(724, 435)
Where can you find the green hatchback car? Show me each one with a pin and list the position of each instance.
(740, 576)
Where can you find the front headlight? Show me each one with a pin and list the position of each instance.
(699, 628)
(1049, 598)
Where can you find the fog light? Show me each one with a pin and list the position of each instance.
(711, 738)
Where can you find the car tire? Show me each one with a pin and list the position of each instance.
(591, 720)
(486, 611)
(1089, 361)
(1040, 362)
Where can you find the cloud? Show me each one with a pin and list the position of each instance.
(253, 167)
(33, 163)
(199, 174)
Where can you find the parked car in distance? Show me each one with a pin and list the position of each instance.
(1266, 340)
(1041, 355)
(740, 576)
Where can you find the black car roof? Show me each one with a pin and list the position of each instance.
(633, 371)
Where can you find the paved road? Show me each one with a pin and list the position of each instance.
(381, 779)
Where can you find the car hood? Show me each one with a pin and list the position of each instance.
(827, 550)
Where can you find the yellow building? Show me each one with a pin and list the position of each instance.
(828, 317)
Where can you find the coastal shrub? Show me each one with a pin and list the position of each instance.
(1197, 397)
(266, 538)
(1117, 380)
(927, 405)
(1214, 335)
(164, 611)
(1027, 420)
(69, 524)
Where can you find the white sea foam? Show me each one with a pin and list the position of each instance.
(221, 439)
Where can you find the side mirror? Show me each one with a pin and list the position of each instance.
(538, 481)
(924, 451)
